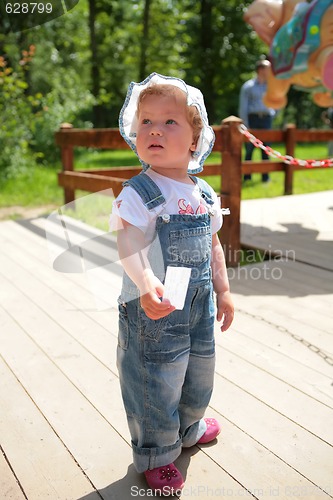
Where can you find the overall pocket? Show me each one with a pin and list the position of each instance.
(151, 328)
(123, 332)
(191, 246)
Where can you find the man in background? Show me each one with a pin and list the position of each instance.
(252, 110)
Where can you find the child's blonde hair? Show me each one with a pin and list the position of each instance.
(192, 113)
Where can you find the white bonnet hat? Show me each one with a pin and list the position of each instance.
(128, 118)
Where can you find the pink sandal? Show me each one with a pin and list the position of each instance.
(213, 430)
(166, 480)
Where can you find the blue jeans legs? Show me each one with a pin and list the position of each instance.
(166, 370)
(257, 122)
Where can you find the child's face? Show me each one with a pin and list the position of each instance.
(164, 135)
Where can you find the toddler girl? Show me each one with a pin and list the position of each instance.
(166, 217)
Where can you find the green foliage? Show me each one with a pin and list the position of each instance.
(63, 103)
(40, 88)
(200, 41)
(29, 120)
(15, 111)
(74, 71)
(221, 53)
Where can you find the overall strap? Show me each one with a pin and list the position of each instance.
(147, 189)
(204, 189)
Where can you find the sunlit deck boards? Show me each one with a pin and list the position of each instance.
(63, 431)
(299, 226)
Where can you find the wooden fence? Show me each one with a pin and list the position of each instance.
(229, 142)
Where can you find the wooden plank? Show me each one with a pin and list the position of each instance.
(211, 169)
(128, 172)
(264, 474)
(270, 281)
(39, 255)
(248, 167)
(98, 180)
(63, 355)
(272, 135)
(287, 323)
(291, 224)
(71, 356)
(290, 279)
(280, 395)
(301, 135)
(288, 344)
(89, 182)
(109, 472)
(9, 486)
(289, 369)
(260, 281)
(107, 138)
(251, 305)
(79, 324)
(74, 248)
(284, 325)
(291, 443)
(79, 371)
(313, 135)
(41, 462)
(75, 372)
(231, 188)
(204, 477)
(96, 446)
(220, 477)
(306, 345)
(123, 172)
(36, 260)
(76, 289)
(212, 473)
(72, 290)
(299, 247)
(301, 210)
(310, 280)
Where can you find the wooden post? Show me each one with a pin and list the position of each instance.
(232, 142)
(67, 160)
(290, 142)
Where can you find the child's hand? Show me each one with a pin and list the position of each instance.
(150, 301)
(225, 309)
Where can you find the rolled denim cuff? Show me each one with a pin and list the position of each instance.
(150, 458)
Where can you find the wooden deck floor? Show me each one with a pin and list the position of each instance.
(63, 432)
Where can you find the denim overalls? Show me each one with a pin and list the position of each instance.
(166, 366)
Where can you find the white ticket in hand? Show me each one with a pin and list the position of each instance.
(176, 285)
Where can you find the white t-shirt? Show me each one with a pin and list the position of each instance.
(180, 198)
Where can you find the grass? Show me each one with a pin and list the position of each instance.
(93, 209)
(38, 186)
(32, 188)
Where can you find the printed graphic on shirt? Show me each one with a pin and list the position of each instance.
(188, 209)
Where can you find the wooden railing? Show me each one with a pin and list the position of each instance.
(229, 142)
(93, 180)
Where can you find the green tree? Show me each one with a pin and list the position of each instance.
(220, 52)
(16, 111)
(134, 39)
(47, 89)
